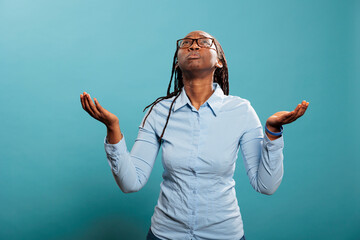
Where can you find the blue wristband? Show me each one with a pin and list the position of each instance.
(275, 134)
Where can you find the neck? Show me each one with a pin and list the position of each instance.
(198, 89)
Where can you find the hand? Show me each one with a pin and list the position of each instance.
(284, 117)
(97, 111)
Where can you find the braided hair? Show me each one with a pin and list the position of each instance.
(221, 76)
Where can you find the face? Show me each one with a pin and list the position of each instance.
(195, 58)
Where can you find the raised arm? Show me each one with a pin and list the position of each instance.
(131, 170)
(263, 155)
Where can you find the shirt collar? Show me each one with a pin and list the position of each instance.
(214, 101)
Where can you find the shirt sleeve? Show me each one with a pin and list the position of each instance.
(131, 170)
(262, 157)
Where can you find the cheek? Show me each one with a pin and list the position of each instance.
(210, 58)
(181, 54)
(213, 57)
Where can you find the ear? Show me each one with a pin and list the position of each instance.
(219, 64)
(176, 65)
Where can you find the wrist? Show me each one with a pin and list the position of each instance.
(114, 134)
(274, 131)
(273, 128)
(113, 126)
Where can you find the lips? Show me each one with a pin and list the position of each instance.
(193, 55)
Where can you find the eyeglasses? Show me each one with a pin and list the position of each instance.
(201, 42)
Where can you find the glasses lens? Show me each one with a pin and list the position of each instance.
(204, 42)
(183, 43)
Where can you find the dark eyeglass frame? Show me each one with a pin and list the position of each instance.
(195, 39)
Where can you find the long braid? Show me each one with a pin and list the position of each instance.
(172, 73)
(221, 77)
(167, 120)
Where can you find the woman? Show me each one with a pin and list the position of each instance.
(200, 128)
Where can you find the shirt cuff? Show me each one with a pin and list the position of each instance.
(274, 144)
(115, 149)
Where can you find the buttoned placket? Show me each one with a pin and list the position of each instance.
(197, 131)
(196, 117)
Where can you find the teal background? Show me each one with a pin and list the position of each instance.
(55, 182)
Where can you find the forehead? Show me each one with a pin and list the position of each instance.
(197, 34)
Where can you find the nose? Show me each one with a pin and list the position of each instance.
(194, 45)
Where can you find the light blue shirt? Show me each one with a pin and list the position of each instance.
(197, 197)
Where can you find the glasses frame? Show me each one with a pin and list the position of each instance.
(196, 40)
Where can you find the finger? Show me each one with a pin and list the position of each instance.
(294, 112)
(303, 109)
(297, 112)
(297, 109)
(300, 113)
(290, 118)
(92, 106)
(306, 107)
(87, 104)
(98, 106)
(293, 115)
(82, 101)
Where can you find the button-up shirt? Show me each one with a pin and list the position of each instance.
(197, 197)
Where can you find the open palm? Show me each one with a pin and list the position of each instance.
(97, 111)
(285, 117)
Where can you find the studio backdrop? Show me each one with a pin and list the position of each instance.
(55, 181)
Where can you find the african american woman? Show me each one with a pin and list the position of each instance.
(200, 128)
